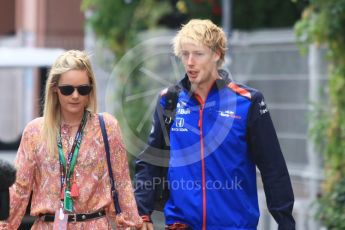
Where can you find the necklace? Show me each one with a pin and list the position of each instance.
(69, 189)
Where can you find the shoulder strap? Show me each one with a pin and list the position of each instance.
(167, 115)
(110, 170)
(171, 98)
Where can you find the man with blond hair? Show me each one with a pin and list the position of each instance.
(218, 133)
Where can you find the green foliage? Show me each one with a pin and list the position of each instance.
(118, 22)
(323, 22)
(333, 207)
(246, 14)
(201, 9)
(249, 14)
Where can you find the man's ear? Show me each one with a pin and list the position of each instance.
(216, 55)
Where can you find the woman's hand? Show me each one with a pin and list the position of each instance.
(146, 226)
(123, 224)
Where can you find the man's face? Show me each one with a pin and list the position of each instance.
(200, 63)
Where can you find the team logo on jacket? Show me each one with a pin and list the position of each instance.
(179, 123)
(181, 104)
(263, 107)
(228, 113)
(180, 108)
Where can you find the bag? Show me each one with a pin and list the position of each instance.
(110, 170)
(168, 113)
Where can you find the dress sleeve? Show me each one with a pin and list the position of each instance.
(119, 161)
(25, 164)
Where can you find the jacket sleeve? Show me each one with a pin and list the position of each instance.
(149, 167)
(268, 157)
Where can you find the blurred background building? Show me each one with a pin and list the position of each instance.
(32, 34)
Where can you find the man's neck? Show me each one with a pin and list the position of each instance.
(202, 92)
(203, 89)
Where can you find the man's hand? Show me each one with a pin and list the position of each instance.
(147, 226)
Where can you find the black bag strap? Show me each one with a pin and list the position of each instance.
(169, 110)
(170, 104)
(110, 170)
(167, 115)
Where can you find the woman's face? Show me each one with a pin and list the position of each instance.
(78, 97)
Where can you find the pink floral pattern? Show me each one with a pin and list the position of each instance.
(38, 171)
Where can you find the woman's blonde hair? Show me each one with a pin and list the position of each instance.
(69, 60)
(202, 32)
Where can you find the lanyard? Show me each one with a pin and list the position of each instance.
(66, 168)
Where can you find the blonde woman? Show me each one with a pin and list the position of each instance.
(62, 161)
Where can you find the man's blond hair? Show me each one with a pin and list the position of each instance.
(202, 32)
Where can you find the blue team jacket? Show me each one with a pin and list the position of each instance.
(215, 146)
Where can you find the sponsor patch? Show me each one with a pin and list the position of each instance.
(229, 113)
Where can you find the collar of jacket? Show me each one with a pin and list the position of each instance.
(219, 84)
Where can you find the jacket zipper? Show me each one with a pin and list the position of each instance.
(202, 156)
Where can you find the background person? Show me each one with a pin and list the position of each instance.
(7, 178)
